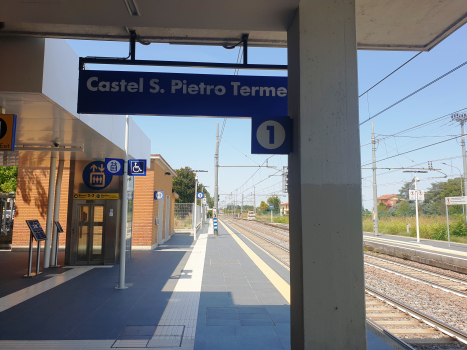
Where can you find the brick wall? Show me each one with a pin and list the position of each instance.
(143, 209)
(146, 209)
(31, 201)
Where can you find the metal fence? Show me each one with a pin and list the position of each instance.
(183, 216)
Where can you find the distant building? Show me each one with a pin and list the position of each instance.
(389, 199)
(284, 208)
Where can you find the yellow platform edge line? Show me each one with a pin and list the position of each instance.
(281, 285)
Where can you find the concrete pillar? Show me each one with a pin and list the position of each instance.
(50, 208)
(326, 244)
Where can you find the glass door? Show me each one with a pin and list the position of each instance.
(90, 233)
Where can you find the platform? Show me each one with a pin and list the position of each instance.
(211, 293)
(431, 252)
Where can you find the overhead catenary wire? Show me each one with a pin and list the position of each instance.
(417, 149)
(387, 76)
(415, 92)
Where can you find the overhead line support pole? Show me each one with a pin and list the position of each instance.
(216, 174)
(375, 188)
(464, 158)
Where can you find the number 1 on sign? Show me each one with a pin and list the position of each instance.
(270, 128)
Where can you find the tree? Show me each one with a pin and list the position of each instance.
(275, 201)
(263, 206)
(8, 177)
(382, 207)
(403, 209)
(404, 191)
(184, 185)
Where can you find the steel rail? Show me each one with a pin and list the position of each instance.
(442, 327)
(438, 274)
(431, 284)
(386, 336)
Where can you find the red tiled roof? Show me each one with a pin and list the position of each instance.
(388, 196)
(284, 204)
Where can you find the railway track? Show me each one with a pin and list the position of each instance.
(402, 326)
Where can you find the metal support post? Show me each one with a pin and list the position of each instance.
(245, 48)
(464, 160)
(121, 279)
(55, 237)
(375, 188)
(194, 208)
(216, 173)
(241, 208)
(416, 206)
(38, 261)
(447, 221)
(31, 243)
(50, 208)
(132, 45)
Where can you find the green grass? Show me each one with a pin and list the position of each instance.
(430, 227)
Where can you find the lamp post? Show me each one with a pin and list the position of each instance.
(462, 191)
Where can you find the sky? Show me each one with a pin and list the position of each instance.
(190, 141)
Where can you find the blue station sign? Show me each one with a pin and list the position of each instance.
(137, 167)
(271, 135)
(149, 93)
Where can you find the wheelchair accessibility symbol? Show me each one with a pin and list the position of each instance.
(137, 167)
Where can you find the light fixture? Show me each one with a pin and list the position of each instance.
(132, 8)
(167, 173)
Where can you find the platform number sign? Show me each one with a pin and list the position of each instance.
(200, 195)
(159, 195)
(271, 135)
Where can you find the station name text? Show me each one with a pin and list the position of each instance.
(183, 87)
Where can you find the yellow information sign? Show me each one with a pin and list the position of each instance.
(7, 132)
(96, 196)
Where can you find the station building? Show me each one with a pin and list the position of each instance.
(52, 138)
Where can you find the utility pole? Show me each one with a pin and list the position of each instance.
(375, 190)
(461, 118)
(241, 209)
(254, 200)
(216, 174)
(415, 179)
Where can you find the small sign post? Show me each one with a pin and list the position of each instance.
(453, 201)
(59, 230)
(38, 234)
(271, 207)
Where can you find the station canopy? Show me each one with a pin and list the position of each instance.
(416, 25)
